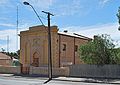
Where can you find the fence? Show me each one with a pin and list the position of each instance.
(10, 69)
(101, 71)
(44, 71)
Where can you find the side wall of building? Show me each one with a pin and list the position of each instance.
(5, 62)
(68, 49)
(78, 43)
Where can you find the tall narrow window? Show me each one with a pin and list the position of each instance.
(27, 53)
(26, 50)
(76, 48)
(64, 47)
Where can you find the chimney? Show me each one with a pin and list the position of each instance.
(95, 36)
(65, 31)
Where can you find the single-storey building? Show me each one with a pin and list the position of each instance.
(5, 60)
(64, 47)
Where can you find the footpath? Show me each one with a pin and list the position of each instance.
(69, 79)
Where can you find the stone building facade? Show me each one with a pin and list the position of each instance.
(34, 47)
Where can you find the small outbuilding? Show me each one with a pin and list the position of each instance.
(5, 60)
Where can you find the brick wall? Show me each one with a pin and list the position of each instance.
(70, 56)
(67, 55)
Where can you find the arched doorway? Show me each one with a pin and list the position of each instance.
(35, 60)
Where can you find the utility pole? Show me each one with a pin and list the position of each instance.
(49, 48)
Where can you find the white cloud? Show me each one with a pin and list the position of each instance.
(89, 31)
(12, 43)
(12, 37)
(3, 2)
(3, 19)
(6, 4)
(103, 2)
(7, 25)
(41, 4)
(73, 7)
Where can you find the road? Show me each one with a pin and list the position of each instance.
(40, 81)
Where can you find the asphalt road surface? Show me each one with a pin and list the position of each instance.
(40, 81)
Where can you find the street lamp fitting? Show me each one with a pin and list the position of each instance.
(26, 3)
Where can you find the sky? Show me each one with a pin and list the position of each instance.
(84, 17)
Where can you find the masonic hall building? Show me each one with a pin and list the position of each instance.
(64, 47)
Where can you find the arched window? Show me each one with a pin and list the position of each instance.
(35, 60)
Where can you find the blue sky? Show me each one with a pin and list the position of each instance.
(85, 17)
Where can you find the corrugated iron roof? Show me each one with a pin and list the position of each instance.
(4, 56)
(74, 35)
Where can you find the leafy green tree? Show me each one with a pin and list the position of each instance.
(13, 54)
(2, 50)
(99, 51)
(116, 53)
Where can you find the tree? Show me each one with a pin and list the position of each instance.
(2, 50)
(13, 54)
(99, 51)
(116, 53)
(118, 15)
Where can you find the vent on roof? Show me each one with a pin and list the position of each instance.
(65, 31)
(95, 36)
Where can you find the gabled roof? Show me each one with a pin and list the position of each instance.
(4, 56)
(74, 35)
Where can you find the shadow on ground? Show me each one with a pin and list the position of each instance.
(102, 80)
(85, 80)
(32, 76)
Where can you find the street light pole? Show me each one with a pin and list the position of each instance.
(26, 3)
(49, 48)
(49, 40)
